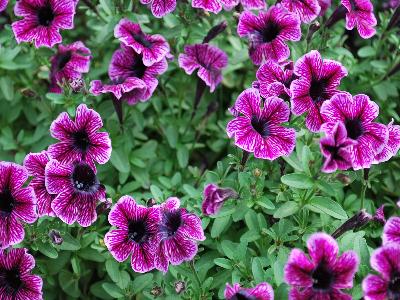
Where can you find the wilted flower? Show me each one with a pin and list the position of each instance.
(392, 146)
(55, 237)
(17, 204)
(214, 197)
(325, 275)
(268, 32)
(42, 21)
(135, 234)
(262, 291)
(360, 14)
(160, 8)
(177, 234)
(16, 280)
(259, 130)
(307, 10)
(391, 231)
(80, 139)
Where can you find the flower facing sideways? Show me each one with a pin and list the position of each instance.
(392, 146)
(214, 197)
(262, 291)
(360, 14)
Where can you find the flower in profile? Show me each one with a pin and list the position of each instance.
(323, 274)
(392, 146)
(3, 5)
(391, 231)
(259, 130)
(318, 82)
(384, 260)
(214, 6)
(135, 234)
(335, 147)
(16, 280)
(307, 10)
(268, 32)
(153, 47)
(357, 114)
(68, 64)
(77, 191)
(263, 291)
(42, 21)
(177, 234)
(360, 14)
(214, 197)
(80, 139)
(380, 215)
(17, 204)
(35, 164)
(160, 8)
(208, 59)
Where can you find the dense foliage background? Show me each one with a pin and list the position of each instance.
(161, 151)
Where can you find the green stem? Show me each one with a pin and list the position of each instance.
(191, 265)
(363, 190)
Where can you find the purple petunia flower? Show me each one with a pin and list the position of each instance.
(68, 64)
(268, 32)
(135, 234)
(325, 275)
(392, 146)
(77, 191)
(214, 6)
(361, 15)
(357, 114)
(35, 163)
(259, 130)
(335, 147)
(17, 204)
(80, 139)
(153, 47)
(16, 280)
(214, 198)
(210, 60)
(307, 10)
(380, 215)
(384, 260)
(42, 20)
(3, 5)
(177, 234)
(391, 231)
(262, 291)
(318, 82)
(160, 8)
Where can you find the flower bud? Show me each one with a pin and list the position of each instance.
(180, 287)
(257, 172)
(357, 221)
(156, 291)
(213, 32)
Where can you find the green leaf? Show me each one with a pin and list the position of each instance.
(219, 226)
(120, 161)
(325, 205)
(265, 202)
(182, 155)
(141, 282)
(287, 209)
(257, 269)
(157, 193)
(112, 268)
(298, 181)
(69, 284)
(47, 250)
(223, 263)
(69, 243)
(113, 290)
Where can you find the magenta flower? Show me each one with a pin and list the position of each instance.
(35, 164)
(253, 4)
(17, 204)
(263, 291)
(391, 231)
(384, 260)
(153, 47)
(210, 61)
(335, 147)
(259, 130)
(325, 275)
(380, 215)
(392, 146)
(77, 191)
(324, 4)
(307, 10)
(16, 280)
(214, 6)
(135, 234)
(80, 139)
(68, 64)
(318, 82)
(42, 21)
(3, 5)
(357, 114)
(177, 234)
(268, 32)
(214, 197)
(160, 8)
(361, 15)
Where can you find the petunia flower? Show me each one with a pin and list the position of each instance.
(384, 260)
(42, 21)
(16, 278)
(307, 10)
(160, 8)
(214, 6)
(153, 48)
(263, 291)
(258, 129)
(68, 64)
(3, 5)
(214, 197)
(335, 147)
(208, 59)
(322, 274)
(360, 14)
(391, 231)
(35, 164)
(77, 191)
(177, 234)
(135, 233)
(392, 146)
(268, 32)
(358, 114)
(318, 81)
(17, 204)
(80, 139)
(380, 215)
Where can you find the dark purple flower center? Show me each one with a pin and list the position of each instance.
(317, 90)
(62, 59)
(84, 179)
(334, 151)
(289, 80)
(394, 286)
(322, 277)
(243, 295)
(141, 39)
(81, 140)
(45, 15)
(137, 231)
(270, 32)
(138, 68)
(354, 128)
(260, 125)
(353, 5)
(172, 220)
(10, 279)
(7, 202)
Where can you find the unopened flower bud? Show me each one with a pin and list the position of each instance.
(103, 206)
(314, 27)
(357, 221)
(257, 172)
(76, 84)
(156, 291)
(213, 32)
(55, 237)
(180, 287)
(343, 178)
